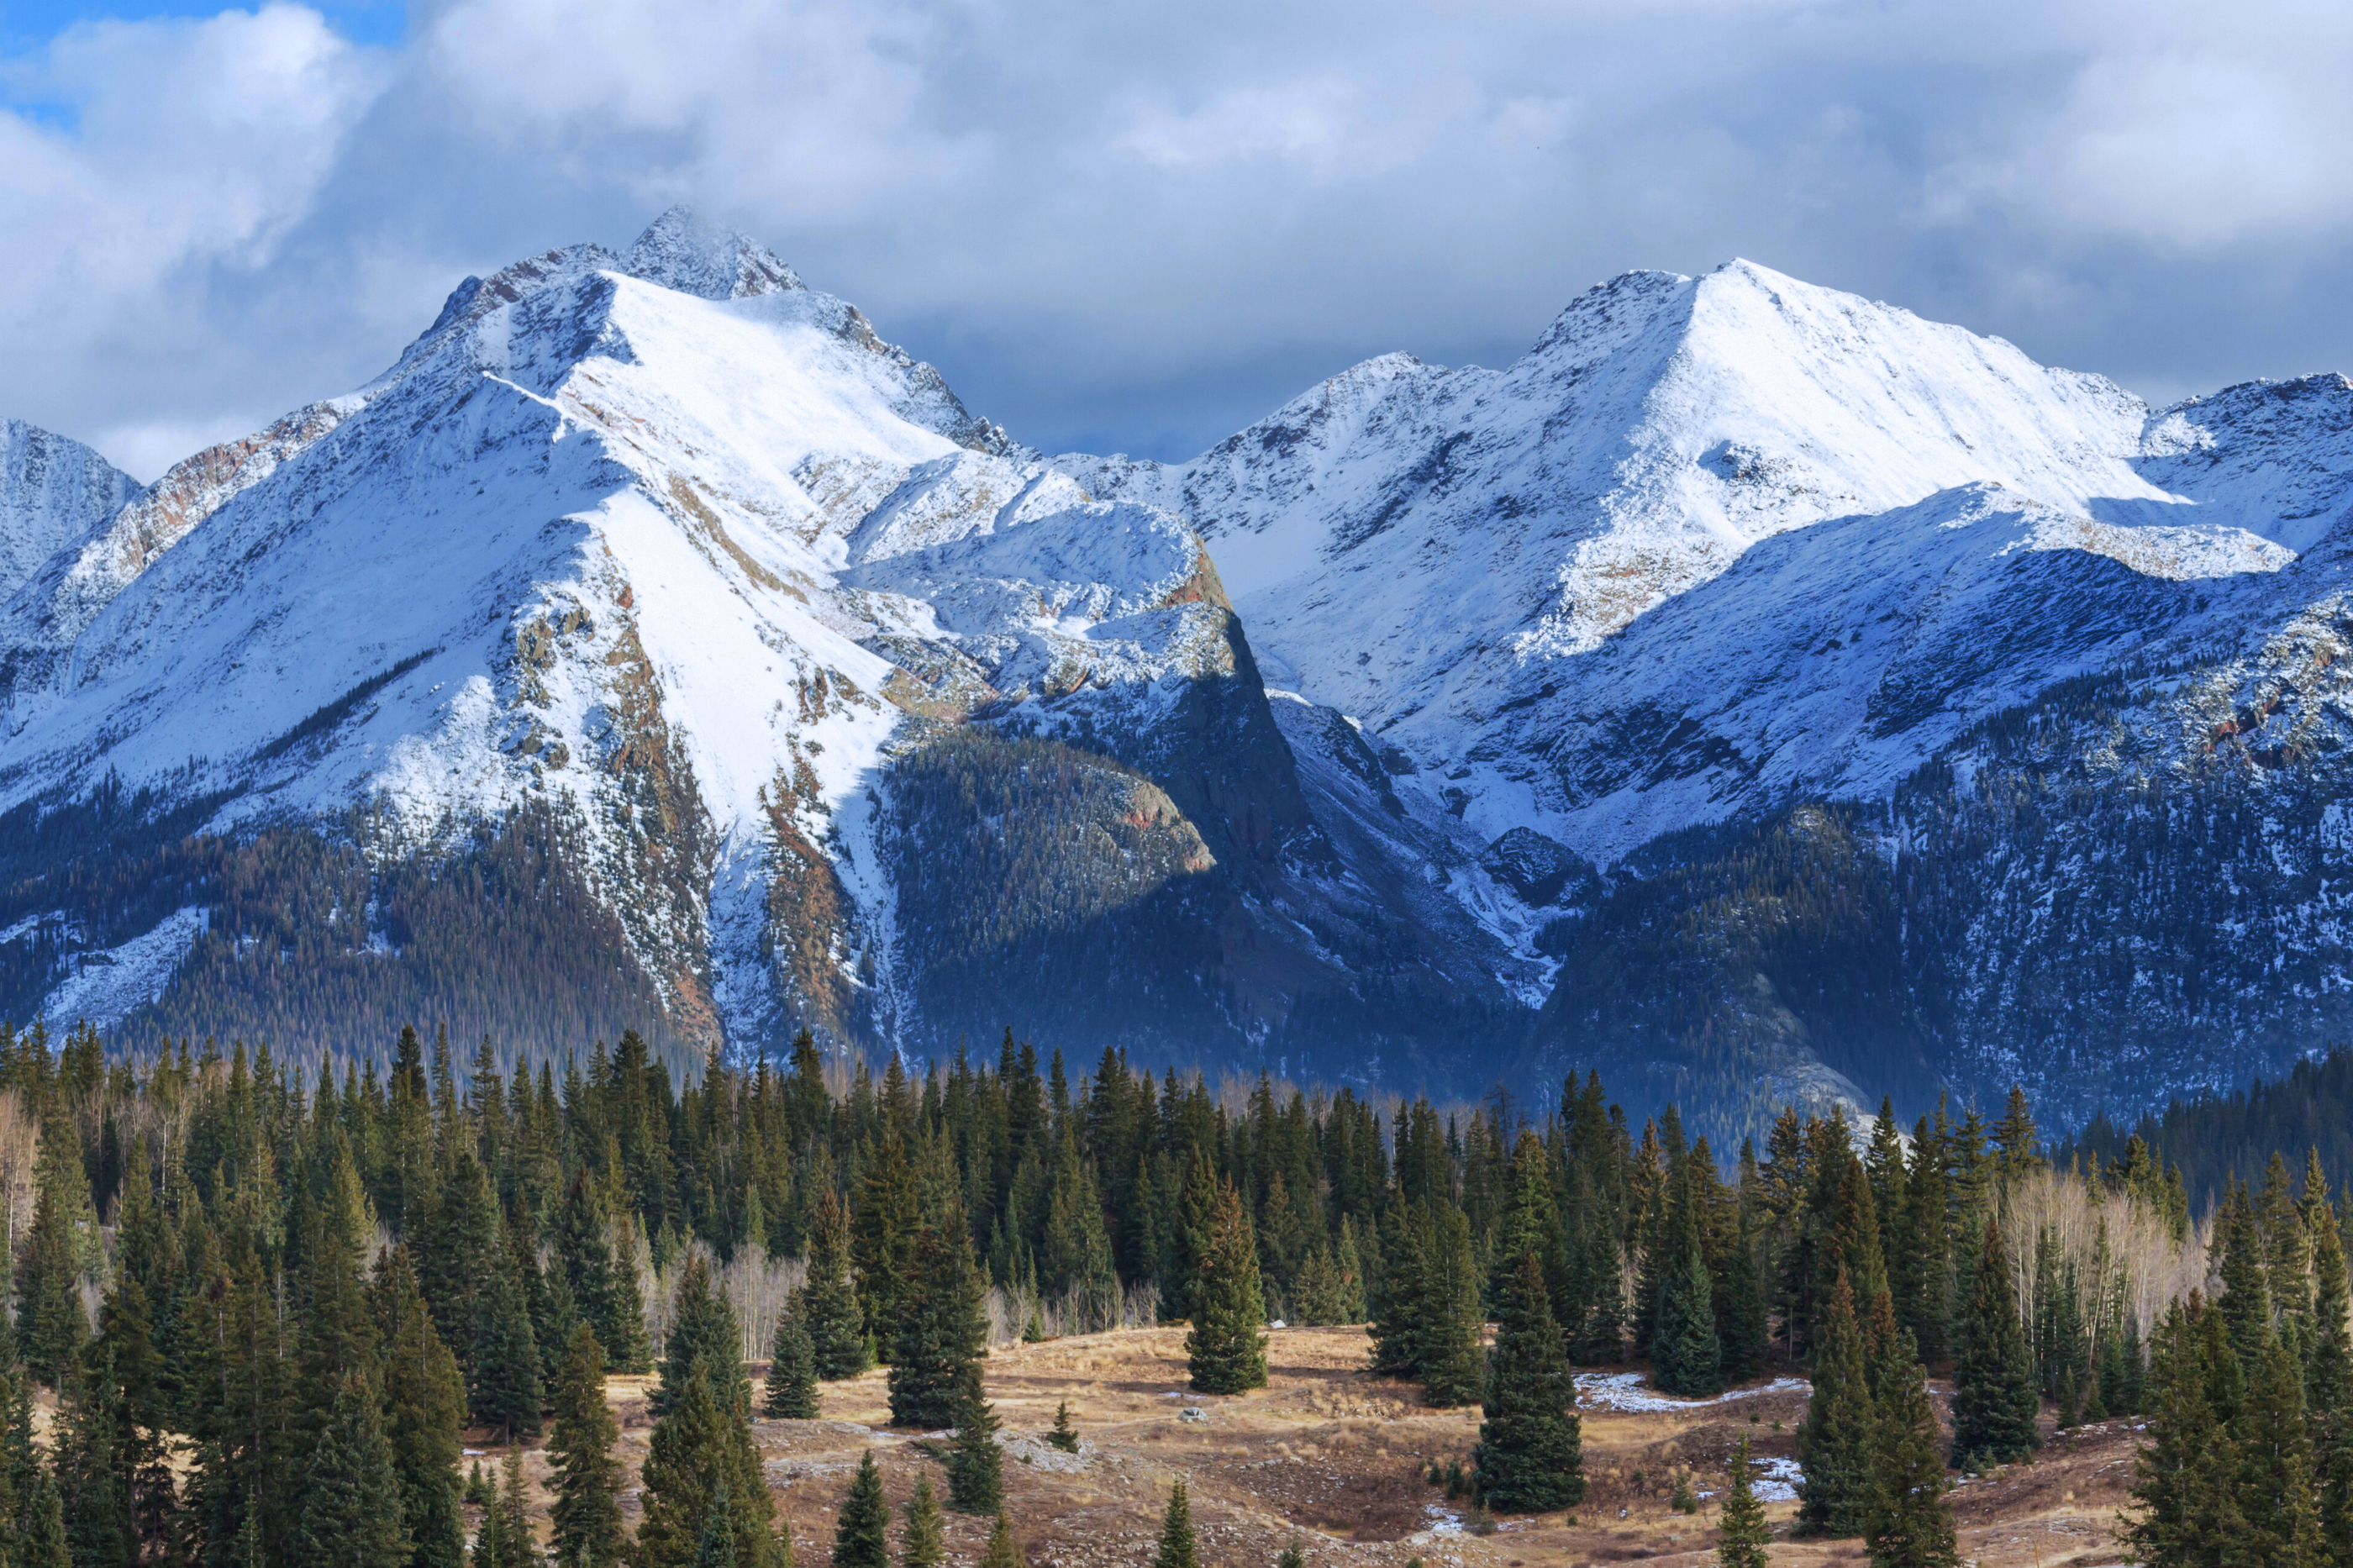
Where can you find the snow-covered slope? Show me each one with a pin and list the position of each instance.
(1472, 561)
(677, 552)
(53, 493)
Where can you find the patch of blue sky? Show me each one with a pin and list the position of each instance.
(27, 25)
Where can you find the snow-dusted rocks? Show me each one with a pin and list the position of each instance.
(53, 493)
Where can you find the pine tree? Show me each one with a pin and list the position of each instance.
(704, 1337)
(1530, 1456)
(1454, 1370)
(1685, 1355)
(604, 1287)
(506, 1388)
(1225, 1351)
(975, 1465)
(2185, 1474)
(349, 1515)
(1994, 1402)
(586, 1512)
(51, 1327)
(2329, 1383)
(505, 1538)
(1834, 1441)
(699, 1455)
(425, 1416)
(1003, 1552)
(1741, 1533)
(1907, 1523)
(923, 1544)
(945, 1333)
(826, 1303)
(792, 1373)
(862, 1533)
(1179, 1549)
(1061, 1434)
(2275, 1462)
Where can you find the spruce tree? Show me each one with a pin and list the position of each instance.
(604, 1287)
(704, 1337)
(792, 1372)
(2185, 1480)
(1225, 1351)
(1741, 1533)
(1003, 1552)
(945, 1333)
(1994, 1402)
(2275, 1462)
(827, 1302)
(924, 1542)
(586, 1512)
(1834, 1441)
(861, 1532)
(975, 1465)
(1293, 1553)
(700, 1453)
(1685, 1355)
(350, 1512)
(1530, 1456)
(1061, 1434)
(51, 1327)
(505, 1393)
(425, 1416)
(2329, 1384)
(1453, 1368)
(1402, 1302)
(1907, 1522)
(1178, 1549)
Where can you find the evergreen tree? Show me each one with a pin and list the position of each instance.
(2275, 1463)
(944, 1333)
(975, 1465)
(505, 1538)
(2185, 1472)
(506, 1389)
(1179, 1549)
(425, 1414)
(923, 1544)
(1907, 1522)
(698, 1459)
(51, 1327)
(1003, 1552)
(586, 1512)
(1685, 1355)
(350, 1514)
(704, 1337)
(2329, 1383)
(1454, 1319)
(1225, 1351)
(1061, 1434)
(1530, 1457)
(1741, 1533)
(862, 1533)
(792, 1373)
(1834, 1441)
(1293, 1553)
(1994, 1402)
(604, 1287)
(826, 1303)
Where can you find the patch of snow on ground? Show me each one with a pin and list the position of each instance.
(1781, 1482)
(108, 984)
(1628, 1391)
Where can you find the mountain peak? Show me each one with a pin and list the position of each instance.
(679, 250)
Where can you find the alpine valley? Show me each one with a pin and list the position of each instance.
(1751, 692)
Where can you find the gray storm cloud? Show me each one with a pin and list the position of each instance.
(1138, 227)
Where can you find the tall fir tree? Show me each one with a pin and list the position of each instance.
(1687, 1357)
(1834, 1441)
(1994, 1399)
(1906, 1522)
(2185, 1472)
(975, 1465)
(425, 1416)
(586, 1510)
(791, 1394)
(1225, 1353)
(827, 1302)
(349, 1515)
(1531, 1456)
(1454, 1367)
(700, 1462)
(2328, 1382)
(704, 1338)
(944, 1331)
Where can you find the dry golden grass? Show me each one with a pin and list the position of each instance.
(1337, 1455)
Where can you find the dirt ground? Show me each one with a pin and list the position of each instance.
(1337, 1457)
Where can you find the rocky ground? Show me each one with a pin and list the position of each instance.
(1338, 1457)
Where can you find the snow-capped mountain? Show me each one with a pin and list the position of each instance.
(1752, 684)
(663, 573)
(1717, 547)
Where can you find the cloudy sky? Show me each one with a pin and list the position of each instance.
(1131, 226)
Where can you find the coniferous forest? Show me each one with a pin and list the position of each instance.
(266, 1308)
